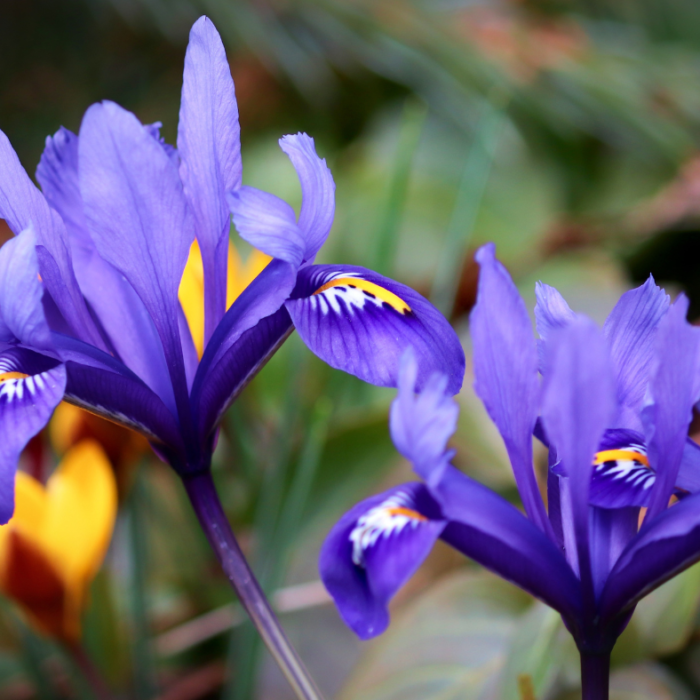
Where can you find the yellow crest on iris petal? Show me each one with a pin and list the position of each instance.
(55, 543)
(191, 292)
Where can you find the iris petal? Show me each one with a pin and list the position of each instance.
(505, 372)
(32, 387)
(139, 219)
(210, 151)
(361, 322)
(374, 549)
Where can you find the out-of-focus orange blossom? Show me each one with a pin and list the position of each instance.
(191, 292)
(71, 425)
(55, 543)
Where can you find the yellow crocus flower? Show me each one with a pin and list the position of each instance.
(191, 292)
(55, 543)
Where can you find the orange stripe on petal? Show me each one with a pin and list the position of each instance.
(622, 455)
(396, 303)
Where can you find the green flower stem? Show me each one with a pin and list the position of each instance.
(206, 504)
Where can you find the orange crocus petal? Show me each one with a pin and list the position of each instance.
(66, 527)
(33, 582)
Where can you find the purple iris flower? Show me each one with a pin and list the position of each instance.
(89, 308)
(623, 508)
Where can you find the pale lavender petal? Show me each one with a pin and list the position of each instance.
(631, 330)
(578, 405)
(317, 189)
(22, 315)
(21, 204)
(667, 419)
(551, 310)
(421, 424)
(688, 478)
(505, 371)
(362, 323)
(119, 309)
(267, 223)
(139, 219)
(209, 146)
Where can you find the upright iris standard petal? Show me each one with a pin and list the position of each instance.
(268, 223)
(21, 204)
(139, 219)
(317, 189)
(209, 146)
(374, 549)
(631, 330)
(668, 417)
(487, 528)
(421, 424)
(578, 405)
(505, 372)
(120, 311)
(31, 386)
(361, 322)
(551, 310)
(21, 312)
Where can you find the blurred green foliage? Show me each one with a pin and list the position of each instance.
(565, 130)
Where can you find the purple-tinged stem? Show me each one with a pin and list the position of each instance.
(206, 504)
(595, 676)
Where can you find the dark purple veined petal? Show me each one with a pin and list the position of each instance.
(666, 420)
(226, 378)
(21, 204)
(31, 386)
(505, 371)
(101, 384)
(663, 548)
(317, 190)
(208, 141)
(112, 299)
(421, 424)
(488, 529)
(139, 220)
(374, 549)
(361, 322)
(124, 400)
(268, 223)
(631, 330)
(578, 405)
(221, 369)
(22, 315)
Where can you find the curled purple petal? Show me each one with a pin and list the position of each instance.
(31, 386)
(361, 322)
(317, 190)
(421, 424)
(22, 315)
(267, 223)
(374, 549)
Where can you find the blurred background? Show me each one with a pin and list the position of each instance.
(567, 131)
